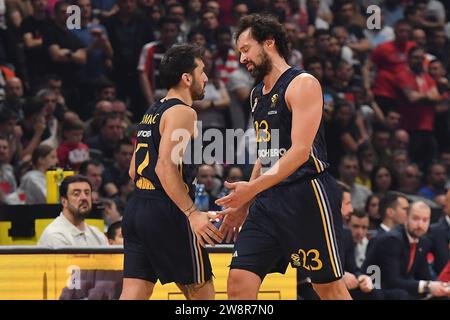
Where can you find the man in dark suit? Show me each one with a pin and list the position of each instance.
(401, 256)
(439, 235)
(393, 211)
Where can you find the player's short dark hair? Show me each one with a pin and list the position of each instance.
(178, 60)
(263, 27)
(85, 165)
(112, 229)
(64, 187)
(389, 201)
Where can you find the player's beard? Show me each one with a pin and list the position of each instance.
(263, 69)
(197, 90)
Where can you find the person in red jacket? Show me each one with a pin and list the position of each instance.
(72, 152)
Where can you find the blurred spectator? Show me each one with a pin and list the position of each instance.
(197, 37)
(344, 133)
(99, 52)
(213, 109)
(442, 120)
(389, 58)
(114, 234)
(372, 208)
(225, 58)
(176, 11)
(380, 144)
(410, 180)
(366, 164)
(104, 8)
(110, 213)
(400, 140)
(206, 175)
(122, 159)
(377, 36)
(209, 24)
(67, 52)
(347, 17)
(93, 125)
(445, 160)
(7, 180)
(34, 184)
(72, 152)
(150, 59)
(392, 120)
(34, 30)
(382, 180)
(401, 255)
(33, 127)
(436, 179)
(359, 225)
(342, 51)
(14, 97)
(128, 32)
(126, 187)
(193, 12)
(392, 12)
(398, 163)
(50, 111)
(393, 210)
(239, 87)
(70, 229)
(439, 234)
(93, 170)
(12, 131)
(103, 145)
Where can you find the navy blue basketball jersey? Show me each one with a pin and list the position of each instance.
(147, 148)
(273, 124)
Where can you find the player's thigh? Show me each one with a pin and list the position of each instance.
(198, 291)
(136, 289)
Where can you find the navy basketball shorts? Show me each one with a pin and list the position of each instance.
(299, 223)
(159, 243)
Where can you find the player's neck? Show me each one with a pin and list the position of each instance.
(183, 95)
(279, 66)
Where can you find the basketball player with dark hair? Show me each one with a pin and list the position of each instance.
(164, 233)
(293, 203)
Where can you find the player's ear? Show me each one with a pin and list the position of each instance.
(269, 42)
(186, 78)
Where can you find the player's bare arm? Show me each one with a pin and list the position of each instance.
(304, 98)
(181, 118)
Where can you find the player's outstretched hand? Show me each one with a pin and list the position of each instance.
(240, 194)
(203, 228)
(232, 222)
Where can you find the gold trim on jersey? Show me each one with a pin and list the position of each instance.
(144, 184)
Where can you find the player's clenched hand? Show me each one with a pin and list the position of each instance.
(203, 228)
(232, 221)
(240, 194)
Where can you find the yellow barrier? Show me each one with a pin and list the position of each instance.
(43, 276)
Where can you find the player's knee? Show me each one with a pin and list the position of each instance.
(242, 285)
(332, 291)
(136, 290)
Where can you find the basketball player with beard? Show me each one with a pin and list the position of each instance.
(290, 208)
(164, 233)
